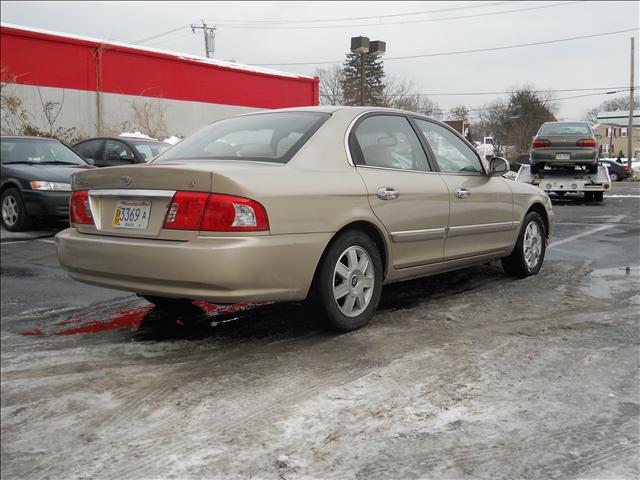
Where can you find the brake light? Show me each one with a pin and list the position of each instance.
(586, 142)
(79, 210)
(215, 212)
(185, 211)
(541, 143)
(626, 169)
(226, 213)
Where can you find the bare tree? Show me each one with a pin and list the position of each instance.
(149, 117)
(51, 111)
(460, 113)
(400, 93)
(331, 81)
(612, 105)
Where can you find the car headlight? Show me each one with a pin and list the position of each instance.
(51, 186)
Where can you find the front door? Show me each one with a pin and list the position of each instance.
(481, 218)
(410, 200)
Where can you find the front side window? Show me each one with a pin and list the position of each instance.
(452, 154)
(388, 141)
(117, 153)
(90, 149)
(269, 137)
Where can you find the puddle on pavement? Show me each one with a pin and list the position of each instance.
(606, 283)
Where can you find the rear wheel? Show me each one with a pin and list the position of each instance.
(614, 177)
(528, 254)
(14, 213)
(348, 283)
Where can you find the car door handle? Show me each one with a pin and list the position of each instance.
(388, 193)
(462, 192)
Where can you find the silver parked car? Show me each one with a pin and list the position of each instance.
(564, 144)
(323, 204)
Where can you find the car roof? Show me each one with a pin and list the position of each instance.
(29, 137)
(123, 139)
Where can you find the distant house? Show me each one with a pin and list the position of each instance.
(612, 133)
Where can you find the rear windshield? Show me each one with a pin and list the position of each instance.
(34, 151)
(268, 137)
(565, 129)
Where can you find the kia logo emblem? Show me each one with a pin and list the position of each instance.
(125, 179)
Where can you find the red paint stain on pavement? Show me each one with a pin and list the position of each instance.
(111, 319)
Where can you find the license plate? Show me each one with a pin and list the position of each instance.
(563, 156)
(132, 214)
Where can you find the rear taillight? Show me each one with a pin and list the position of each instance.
(185, 211)
(216, 213)
(79, 210)
(626, 169)
(586, 142)
(540, 143)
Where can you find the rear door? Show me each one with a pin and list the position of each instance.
(410, 200)
(481, 215)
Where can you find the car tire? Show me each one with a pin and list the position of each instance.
(588, 196)
(347, 286)
(613, 176)
(598, 196)
(14, 213)
(528, 254)
(165, 303)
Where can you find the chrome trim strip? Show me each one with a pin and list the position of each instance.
(446, 260)
(132, 193)
(395, 169)
(415, 235)
(481, 228)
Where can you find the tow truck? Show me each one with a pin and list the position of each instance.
(564, 180)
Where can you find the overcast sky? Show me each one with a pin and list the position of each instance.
(325, 36)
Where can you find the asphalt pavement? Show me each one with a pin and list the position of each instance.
(468, 374)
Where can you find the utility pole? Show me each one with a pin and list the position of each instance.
(631, 106)
(209, 37)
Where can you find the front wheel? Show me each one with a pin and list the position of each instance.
(348, 283)
(528, 254)
(613, 176)
(14, 213)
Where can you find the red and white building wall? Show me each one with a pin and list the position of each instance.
(99, 82)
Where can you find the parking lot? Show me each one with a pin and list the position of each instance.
(470, 373)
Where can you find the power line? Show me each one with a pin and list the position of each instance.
(507, 92)
(160, 34)
(460, 52)
(282, 22)
(429, 20)
(170, 39)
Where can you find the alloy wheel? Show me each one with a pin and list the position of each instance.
(10, 210)
(353, 281)
(532, 245)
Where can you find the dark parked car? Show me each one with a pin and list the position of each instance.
(116, 151)
(522, 159)
(617, 171)
(35, 179)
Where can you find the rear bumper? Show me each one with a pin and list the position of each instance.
(46, 204)
(548, 156)
(215, 269)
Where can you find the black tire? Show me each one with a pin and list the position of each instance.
(165, 303)
(588, 196)
(598, 196)
(516, 264)
(14, 213)
(321, 302)
(614, 177)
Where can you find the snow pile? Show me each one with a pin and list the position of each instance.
(172, 140)
(136, 134)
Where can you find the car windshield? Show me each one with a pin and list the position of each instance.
(36, 151)
(149, 150)
(565, 129)
(268, 137)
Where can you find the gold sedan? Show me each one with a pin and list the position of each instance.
(323, 204)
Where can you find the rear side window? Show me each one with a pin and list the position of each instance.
(565, 129)
(268, 137)
(90, 149)
(388, 141)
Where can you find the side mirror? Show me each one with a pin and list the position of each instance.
(498, 166)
